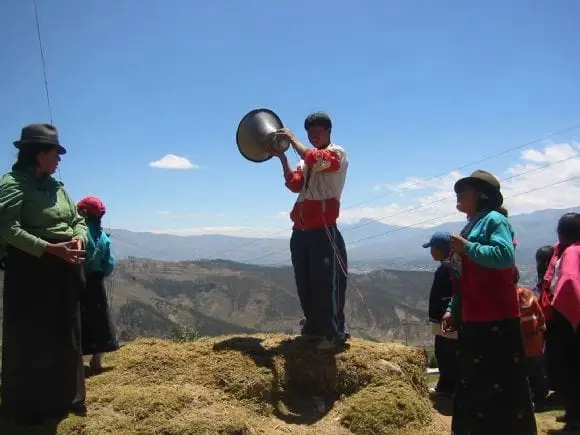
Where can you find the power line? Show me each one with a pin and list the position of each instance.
(430, 220)
(42, 60)
(408, 187)
(451, 214)
(539, 168)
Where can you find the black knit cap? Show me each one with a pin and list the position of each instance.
(318, 119)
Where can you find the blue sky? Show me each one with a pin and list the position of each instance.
(415, 89)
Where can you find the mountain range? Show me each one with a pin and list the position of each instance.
(382, 245)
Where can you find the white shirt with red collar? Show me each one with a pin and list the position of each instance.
(319, 181)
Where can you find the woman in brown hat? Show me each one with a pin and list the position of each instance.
(493, 396)
(42, 367)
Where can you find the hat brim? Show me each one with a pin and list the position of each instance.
(477, 182)
(426, 245)
(22, 143)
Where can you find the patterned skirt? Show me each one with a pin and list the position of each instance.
(493, 394)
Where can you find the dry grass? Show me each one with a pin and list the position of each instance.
(266, 384)
(261, 384)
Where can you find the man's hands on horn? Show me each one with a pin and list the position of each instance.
(286, 133)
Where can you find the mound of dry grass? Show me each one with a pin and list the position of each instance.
(255, 384)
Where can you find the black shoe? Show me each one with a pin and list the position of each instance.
(79, 409)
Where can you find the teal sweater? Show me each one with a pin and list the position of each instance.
(99, 257)
(489, 252)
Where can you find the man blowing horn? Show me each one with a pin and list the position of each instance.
(317, 247)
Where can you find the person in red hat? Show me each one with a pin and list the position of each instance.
(98, 332)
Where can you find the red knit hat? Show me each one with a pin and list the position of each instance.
(92, 206)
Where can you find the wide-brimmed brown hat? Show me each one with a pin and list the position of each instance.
(39, 134)
(483, 181)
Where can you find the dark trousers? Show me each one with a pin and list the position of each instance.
(538, 379)
(568, 342)
(446, 355)
(321, 280)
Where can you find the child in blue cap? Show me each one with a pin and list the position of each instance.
(439, 298)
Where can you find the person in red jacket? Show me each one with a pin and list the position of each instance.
(317, 248)
(533, 329)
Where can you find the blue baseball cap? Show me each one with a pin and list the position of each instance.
(439, 239)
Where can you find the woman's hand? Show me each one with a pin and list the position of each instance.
(77, 243)
(457, 243)
(447, 323)
(67, 252)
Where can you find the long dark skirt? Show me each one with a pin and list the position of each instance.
(42, 366)
(568, 344)
(446, 355)
(98, 332)
(493, 394)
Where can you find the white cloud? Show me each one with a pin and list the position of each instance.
(424, 202)
(421, 201)
(228, 231)
(281, 215)
(171, 161)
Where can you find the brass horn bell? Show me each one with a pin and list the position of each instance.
(256, 134)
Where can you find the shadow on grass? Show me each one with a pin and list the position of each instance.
(305, 390)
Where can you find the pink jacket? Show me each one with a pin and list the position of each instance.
(565, 285)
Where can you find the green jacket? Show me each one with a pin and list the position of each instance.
(35, 210)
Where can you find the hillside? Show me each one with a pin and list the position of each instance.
(385, 247)
(158, 299)
(221, 297)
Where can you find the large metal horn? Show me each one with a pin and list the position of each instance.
(255, 135)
